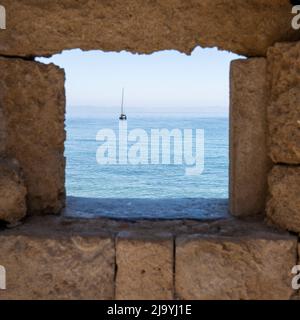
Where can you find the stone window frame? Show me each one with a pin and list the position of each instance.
(155, 28)
(192, 252)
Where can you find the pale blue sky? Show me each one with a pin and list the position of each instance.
(163, 82)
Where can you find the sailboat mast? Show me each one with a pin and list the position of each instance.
(123, 115)
(122, 108)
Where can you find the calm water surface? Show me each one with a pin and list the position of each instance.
(166, 187)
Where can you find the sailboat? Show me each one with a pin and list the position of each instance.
(123, 116)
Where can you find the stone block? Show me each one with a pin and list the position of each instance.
(54, 265)
(144, 267)
(12, 192)
(284, 104)
(283, 208)
(42, 28)
(226, 268)
(32, 114)
(249, 161)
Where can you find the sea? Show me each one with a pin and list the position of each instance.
(147, 191)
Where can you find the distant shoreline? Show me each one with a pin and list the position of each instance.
(92, 112)
(147, 115)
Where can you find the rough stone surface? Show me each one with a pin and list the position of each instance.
(235, 268)
(283, 206)
(32, 111)
(47, 27)
(56, 257)
(249, 161)
(230, 226)
(12, 192)
(144, 267)
(284, 105)
(57, 266)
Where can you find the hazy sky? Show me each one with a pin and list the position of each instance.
(161, 82)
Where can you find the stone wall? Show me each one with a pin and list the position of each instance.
(32, 108)
(283, 114)
(51, 258)
(265, 136)
(249, 159)
(41, 28)
(59, 258)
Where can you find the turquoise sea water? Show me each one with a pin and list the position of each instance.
(168, 183)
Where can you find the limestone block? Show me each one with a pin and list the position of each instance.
(283, 207)
(57, 267)
(32, 113)
(12, 192)
(213, 268)
(144, 267)
(284, 105)
(40, 28)
(249, 161)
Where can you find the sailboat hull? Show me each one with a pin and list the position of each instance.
(123, 117)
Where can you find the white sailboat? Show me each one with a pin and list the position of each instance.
(123, 116)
